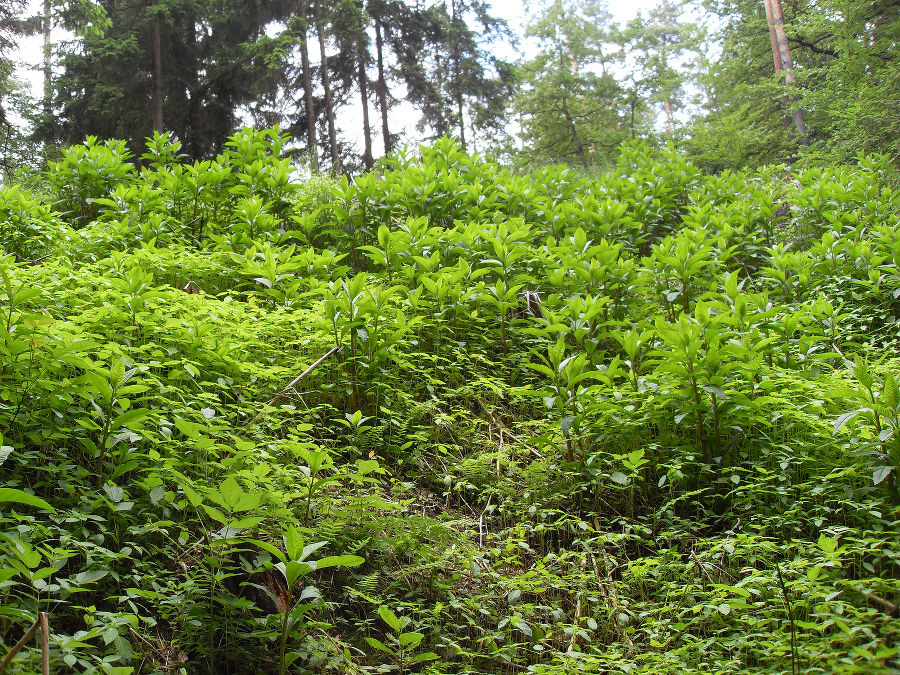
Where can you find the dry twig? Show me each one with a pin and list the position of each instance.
(286, 391)
(18, 646)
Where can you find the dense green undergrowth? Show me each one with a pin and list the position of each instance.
(681, 458)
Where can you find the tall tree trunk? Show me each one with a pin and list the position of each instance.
(457, 85)
(462, 121)
(368, 161)
(329, 102)
(787, 65)
(776, 56)
(48, 64)
(382, 88)
(307, 92)
(441, 122)
(157, 102)
(773, 38)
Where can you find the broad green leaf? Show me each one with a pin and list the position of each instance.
(293, 543)
(890, 392)
(231, 493)
(379, 645)
(266, 546)
(216, 514)
(117, 372)
(880, 473)
(114, 492)
(843, 419)
(424, 656)
(389, 618)
(20, 497)
(90, 576)
(130, 419)
(340, 561)
(413, 639)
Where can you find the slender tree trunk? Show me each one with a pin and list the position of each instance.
(382, 88)
(48, 63)
(787, 65)
(368, 161)
(773, 38)
(329, 102)
(307, 91)
(462, 121)
(441, 122)
(157, 102)
(457, 85)
(776, 56)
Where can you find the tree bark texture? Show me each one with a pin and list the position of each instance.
(382, 88)
(368, 161)
(773, 9)
(307, 92)
(329, 102)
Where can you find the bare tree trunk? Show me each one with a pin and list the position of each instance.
(773, 38)
(787, 64)
(776, 55)
(382, 88)
(307, 92)
(157, 101)
(457, 85)
(440, 126)
(462, 122)
(329, 102)
(48, 63)
(368, 161)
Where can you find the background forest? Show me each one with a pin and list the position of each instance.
(352, 80)
(599, 377)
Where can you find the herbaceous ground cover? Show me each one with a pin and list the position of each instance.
(683, 461)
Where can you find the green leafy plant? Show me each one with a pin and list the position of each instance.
(402, 643)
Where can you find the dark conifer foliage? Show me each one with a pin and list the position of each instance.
(10, 11)
(203, 70)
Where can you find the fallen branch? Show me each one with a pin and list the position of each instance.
(518, 440)
(890, 607)
(284, 392)
(21, 643)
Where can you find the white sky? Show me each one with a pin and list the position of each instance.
(403, 117)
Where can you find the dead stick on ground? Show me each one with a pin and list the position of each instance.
(891, 608)
(45, 644)
(284, 392)
(514, 437)
(21, 643)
